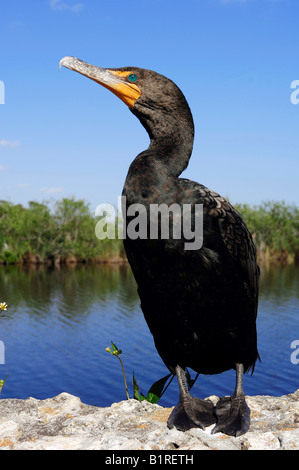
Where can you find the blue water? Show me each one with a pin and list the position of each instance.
(62, 321)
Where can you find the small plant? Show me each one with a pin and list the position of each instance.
(155, 392)
(2, 382)
(157, 389)
(3, 308)
(116, 352)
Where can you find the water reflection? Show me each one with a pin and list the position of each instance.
(77, 287)
(279, 283)
(63, 319)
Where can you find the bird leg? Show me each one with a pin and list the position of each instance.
(233, 414)
(190, 412)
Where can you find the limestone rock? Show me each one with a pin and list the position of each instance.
(65, 423)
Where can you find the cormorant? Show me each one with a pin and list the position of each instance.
(200, 305)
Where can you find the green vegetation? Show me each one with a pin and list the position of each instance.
(275, 229)
(65, 232)
(157, 389)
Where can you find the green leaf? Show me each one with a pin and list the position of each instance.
(138, 396)
(115, 350)
(156, 390)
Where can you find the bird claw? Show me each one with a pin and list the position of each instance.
(233, 416)
(192, 413)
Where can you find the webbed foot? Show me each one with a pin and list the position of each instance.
(192, 413)
(233, 416)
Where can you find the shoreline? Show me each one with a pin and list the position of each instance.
(65, 423)
(30, 259)
(264, 259)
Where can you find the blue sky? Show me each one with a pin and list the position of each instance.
(63, 135)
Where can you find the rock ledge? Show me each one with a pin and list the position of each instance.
(65, 423)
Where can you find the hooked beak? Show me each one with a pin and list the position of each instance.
(114, 80)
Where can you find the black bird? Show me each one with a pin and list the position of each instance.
(200, 304)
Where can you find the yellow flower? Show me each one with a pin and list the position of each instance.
(3, 306)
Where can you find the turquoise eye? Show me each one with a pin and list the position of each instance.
(132, 77)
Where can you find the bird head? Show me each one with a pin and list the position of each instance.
(120, 81)
(152, 97)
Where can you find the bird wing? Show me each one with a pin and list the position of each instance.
(237, 239)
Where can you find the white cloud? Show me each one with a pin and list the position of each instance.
(9, 143)
(59, 5)
(52, 190)
(2, 167)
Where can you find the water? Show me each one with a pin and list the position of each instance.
(63, 319)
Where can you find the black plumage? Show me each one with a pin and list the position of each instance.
(200, 305)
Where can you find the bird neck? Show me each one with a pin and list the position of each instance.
(174, 151)
(171, 140)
